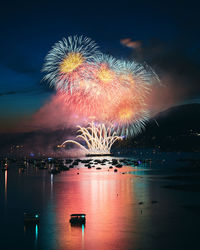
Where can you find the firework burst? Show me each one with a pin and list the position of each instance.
(116, 95)
(70, 61)
(109, 94)
(102, 79)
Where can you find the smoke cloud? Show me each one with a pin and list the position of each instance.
(177, 69)
(53, 115)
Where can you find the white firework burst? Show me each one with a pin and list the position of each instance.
(137, 79)
(134, 128)
(110, 61)
(68, 61)
(141, 73)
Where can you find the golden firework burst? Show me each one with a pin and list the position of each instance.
(71, 62)
(125, 114)
(105, 74)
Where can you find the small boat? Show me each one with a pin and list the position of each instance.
(118, 166)
(75, 163)
(77, 219)
(68, 161)
(33, 218)
(22, 170)
(65, 168)
(5, 167)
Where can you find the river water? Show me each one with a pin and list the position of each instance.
(129, 209)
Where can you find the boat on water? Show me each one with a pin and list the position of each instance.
(77, 219)
(32, 218)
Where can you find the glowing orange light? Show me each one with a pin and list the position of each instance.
(105, 74)
(71, 62)
(125, 114)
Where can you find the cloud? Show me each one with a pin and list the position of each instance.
(8, 93)
(33, 90)
(131, 44)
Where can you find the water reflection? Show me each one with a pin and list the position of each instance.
(83, 229)
(118, 207)
(36, 236)
(6, 178)
(51, 185)
(31, 231)
(107, 199)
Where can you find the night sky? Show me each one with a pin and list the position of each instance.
(168, 34)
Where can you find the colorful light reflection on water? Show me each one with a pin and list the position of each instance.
(107, 199)
(114, 217)
(6, 178)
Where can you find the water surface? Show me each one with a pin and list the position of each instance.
(119, 210)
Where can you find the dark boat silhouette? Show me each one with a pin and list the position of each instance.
(77, 219)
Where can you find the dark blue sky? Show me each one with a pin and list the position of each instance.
(168, 30)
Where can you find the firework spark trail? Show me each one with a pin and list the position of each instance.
(98, 138)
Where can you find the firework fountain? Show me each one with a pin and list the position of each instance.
(108, 94)
(99, 139)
